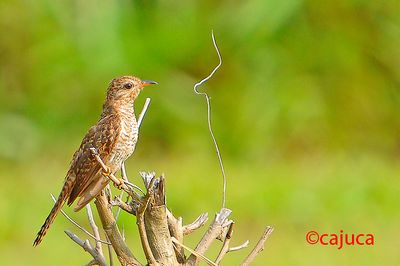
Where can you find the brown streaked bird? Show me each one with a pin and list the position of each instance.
(114, 137)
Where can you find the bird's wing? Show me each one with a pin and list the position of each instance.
(84, 165)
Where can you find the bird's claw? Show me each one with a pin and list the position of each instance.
(107, 172)
(120, 185)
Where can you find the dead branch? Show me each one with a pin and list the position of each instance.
(110, 227)
(259, 247)
(110, 254)
(215, 229)
(99, 258)
(209, 262)
(143, 112)
(242, 246)
(95, 229)
(152, 217)
(176, 231)
(122, 205)
(140, 222)
(196, 224)
(79, 226)
(91, 263)
(225, 246)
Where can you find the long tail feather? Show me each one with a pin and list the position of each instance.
(66, 190)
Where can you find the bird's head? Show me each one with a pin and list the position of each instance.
(126, 88)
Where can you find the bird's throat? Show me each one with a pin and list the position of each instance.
(120, 108)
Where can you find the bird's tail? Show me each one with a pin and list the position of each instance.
(66, 190)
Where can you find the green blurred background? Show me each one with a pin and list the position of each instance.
(306, 109)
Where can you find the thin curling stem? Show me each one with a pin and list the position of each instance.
(195, 88)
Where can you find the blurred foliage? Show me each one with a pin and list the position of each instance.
(305, 108)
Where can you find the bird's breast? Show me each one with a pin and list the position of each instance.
(126, 142)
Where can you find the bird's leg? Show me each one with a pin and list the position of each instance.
(121, 179)
(118, 182)
(106, 172)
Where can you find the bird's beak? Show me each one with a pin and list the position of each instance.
(148, 83)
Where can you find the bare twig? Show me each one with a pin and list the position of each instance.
(110, 227)
(225, 246)
(125, 178)
(216, 228)
(242, 246)
(79, 226)
(195, 88)
(110, 254)
(143, 112)
(140, 221)
(91, 263)
(156, 224)
(209, 262)
(122, 205)
(123, 172)
(176, 230)
(199, 222)
(88, 248)
(123, 232)
(258, 247)
(95, 229)
(147, 177)
(118, 201)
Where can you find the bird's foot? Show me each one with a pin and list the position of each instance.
(120, 185)
(118, 182)
(107, 172)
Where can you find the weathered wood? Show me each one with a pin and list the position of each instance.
(156, 226)
(216, 228)
(110, 227)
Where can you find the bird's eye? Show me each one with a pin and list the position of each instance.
(128, 85)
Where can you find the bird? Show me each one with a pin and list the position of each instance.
(114, 138)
